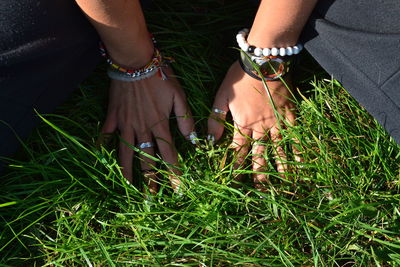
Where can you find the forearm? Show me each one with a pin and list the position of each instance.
(122, 27)
(279, 23)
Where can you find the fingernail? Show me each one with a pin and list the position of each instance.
(148, 200)
(178, 190)
(211, 139)
(193, 138)
(103, 139)
(176, 186)
(179, 193)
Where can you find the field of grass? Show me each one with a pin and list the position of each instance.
(66, 203)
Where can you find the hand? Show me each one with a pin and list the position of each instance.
(140, 110)
(254, 118)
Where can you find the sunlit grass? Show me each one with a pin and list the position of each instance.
(67, 204)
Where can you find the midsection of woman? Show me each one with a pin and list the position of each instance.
(46, 48)
(356, 42)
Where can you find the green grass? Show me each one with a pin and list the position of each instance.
(67, 203)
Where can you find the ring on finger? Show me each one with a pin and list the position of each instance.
(219, 111)
(146, 145)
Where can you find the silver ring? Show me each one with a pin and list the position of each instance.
(219, 111)
(145, 145)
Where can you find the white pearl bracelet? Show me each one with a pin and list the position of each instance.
(259, 52)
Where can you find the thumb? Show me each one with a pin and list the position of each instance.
(217, 116)
(109, 126)
(183, 114)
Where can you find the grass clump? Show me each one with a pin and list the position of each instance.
(68, 204)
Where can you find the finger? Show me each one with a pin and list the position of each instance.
(291, 119)
(147, 164)
(278, 151)
(109, 126)
(240, 143)
(150, 180)
(168, 152)
(126, 153)
(217, 116)
(259, 176)
(183, 115)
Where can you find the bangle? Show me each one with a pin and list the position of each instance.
(120, 73)
(259, 52)
(271, 68)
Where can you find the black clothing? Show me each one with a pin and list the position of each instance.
(46, 49)
(358, 42)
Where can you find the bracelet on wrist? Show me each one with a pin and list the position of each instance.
(258, 51)
(270, 68)
(155, 65)
(265, 63)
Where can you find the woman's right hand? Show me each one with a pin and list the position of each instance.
(254, 119)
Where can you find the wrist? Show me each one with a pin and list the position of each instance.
(268, 63)
(278, 39)
(126, 73)
(132, 55)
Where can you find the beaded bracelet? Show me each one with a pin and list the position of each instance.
(121, 76)
(155, 65)
(259, 52)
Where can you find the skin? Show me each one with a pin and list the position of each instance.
(277, 24)
(139, 110)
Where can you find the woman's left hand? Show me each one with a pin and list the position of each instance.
(140, 111)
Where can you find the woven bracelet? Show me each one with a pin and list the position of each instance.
(120, 73)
